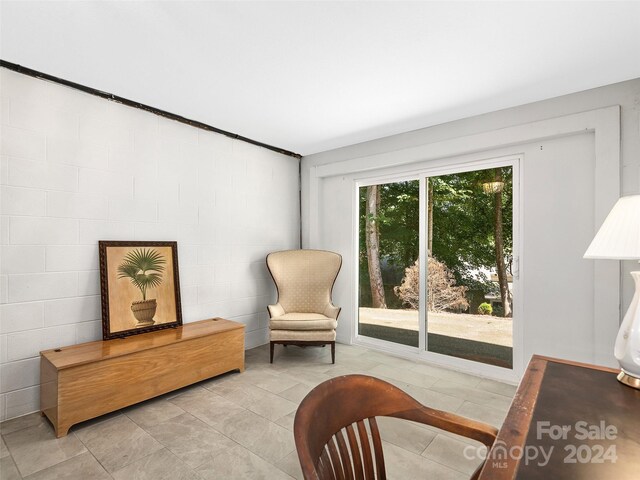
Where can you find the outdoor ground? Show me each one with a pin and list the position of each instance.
(481, 338)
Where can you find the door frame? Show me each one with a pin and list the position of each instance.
(603, 122)
(454, 165)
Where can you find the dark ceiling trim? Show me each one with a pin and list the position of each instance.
(130, 103)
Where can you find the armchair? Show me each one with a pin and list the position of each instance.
(303, 314)
(334, 416)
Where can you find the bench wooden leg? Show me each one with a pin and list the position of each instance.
(271, 352)
(333, 352)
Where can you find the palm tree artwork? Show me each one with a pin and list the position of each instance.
(144, 268)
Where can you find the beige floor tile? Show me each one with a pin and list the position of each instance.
(481, 397)
(8, 469)
(251, 376)
(4, 452)
(361, 362)
(275, 383)
(403, 433)
(190, 439)
(296, 393)
(301, 375)
(497, 387)
(214, 383)
(240, 393)
(95, 421)
(189, 389)
(352, 350)
(287, 421)
(444, 373)
(402, 464)
(36, 448)
(404, 375)
(19, 423)
(221, 438)
(240, 463)
(264, 438)
(291, 466)
(209, 407)
(390, 360)
(272, 406)
(161, 465)
(263, 377)
(83, 466)
(341, 370)
(482, 413)
(117, 442)
(276, 369)
(451, 452)
(152, 412)
(318, 367)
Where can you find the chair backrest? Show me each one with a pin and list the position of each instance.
(304, 278)
(331, 434)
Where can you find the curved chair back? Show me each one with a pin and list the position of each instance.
(331, 434)
(304, 278)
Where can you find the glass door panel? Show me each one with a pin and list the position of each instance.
(469, 276)
(389, 279)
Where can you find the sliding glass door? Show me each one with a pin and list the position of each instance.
(469, 235)
(388, 295)
(457, 302)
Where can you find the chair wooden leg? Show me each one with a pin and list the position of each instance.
(333, 352)
(271, 352)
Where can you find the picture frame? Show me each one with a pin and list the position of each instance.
(139, 287)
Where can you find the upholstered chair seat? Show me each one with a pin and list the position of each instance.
(302, 321)
(304, 314)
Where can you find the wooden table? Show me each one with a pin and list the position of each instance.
(84, 381)
(557, 404)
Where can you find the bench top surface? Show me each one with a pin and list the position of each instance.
(66, 357)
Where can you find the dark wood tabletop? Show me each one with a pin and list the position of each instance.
(568, 420)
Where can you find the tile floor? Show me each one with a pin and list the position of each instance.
(240, 426)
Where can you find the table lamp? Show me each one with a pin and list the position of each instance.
(619, 239)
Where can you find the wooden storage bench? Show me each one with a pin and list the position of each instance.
(84, 381)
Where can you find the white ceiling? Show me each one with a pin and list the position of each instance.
(312, 76)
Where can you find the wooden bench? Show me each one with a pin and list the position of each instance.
(84, 381)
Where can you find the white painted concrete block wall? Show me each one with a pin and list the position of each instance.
(76, 169)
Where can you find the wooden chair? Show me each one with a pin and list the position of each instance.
(331, 434)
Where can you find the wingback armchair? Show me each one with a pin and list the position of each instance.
(303, 314)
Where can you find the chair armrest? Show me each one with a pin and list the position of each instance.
(451, 422)
(275, 310)
(331, 311)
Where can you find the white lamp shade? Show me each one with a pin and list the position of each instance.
(619, 235)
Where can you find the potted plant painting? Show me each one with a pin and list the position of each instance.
(139, 287)
(144, 268)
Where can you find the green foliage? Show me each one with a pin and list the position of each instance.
(397, 219)
(143, 267)
(463, 236)
(485, 309)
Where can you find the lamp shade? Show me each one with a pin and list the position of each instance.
(619, 235)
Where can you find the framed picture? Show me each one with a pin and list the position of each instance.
(139, 286)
